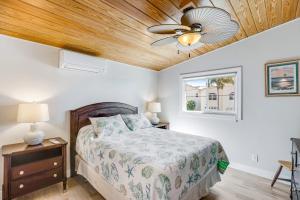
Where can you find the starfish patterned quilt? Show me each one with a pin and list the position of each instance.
(151, 163)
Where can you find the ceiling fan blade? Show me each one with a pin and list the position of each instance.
(214, 35)
(189, 48)
(164, 41)
(205, 14)
(167, 28)
(216, 22)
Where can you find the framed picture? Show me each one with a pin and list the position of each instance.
(282, 79)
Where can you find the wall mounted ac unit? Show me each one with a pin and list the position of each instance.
(76, 61)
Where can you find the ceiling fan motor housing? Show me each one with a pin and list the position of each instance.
(196, 27)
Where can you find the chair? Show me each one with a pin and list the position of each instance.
(285, 164)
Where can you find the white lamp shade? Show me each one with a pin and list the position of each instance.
(154, 107)
(33, 112)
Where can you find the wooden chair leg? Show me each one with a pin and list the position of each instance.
(276, 176)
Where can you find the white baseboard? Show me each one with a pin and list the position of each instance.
(258, 172)
(252, 170)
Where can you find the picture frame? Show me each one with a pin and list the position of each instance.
(282, 78)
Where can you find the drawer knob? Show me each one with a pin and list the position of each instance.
(55, 163)
(54, 175)
(21, 172)
(21, 186)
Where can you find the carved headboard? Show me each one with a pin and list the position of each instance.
(80, 117)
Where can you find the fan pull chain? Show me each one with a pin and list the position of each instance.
(189, 55)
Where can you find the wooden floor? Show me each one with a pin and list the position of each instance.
(235, 185)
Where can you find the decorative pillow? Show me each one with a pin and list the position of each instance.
(109, 125)
(136, 121)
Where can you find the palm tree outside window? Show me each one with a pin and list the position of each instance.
(219, 83)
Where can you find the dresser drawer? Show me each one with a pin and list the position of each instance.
(36, 167)
(28, 184)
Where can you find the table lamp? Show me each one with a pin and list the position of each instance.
(33, 113)
(155, 108)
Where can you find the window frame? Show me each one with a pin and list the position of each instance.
(236, 115)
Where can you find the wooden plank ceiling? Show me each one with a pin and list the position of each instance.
(117, 29)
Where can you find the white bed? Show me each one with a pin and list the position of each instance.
(169, 155)
(147, 163)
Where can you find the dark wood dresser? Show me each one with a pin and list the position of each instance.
(29, 168)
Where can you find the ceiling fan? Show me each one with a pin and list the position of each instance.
(199, 26)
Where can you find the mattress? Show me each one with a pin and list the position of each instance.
(153, 163)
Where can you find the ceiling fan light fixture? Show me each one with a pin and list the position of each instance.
(189, 39)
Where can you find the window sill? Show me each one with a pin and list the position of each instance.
(212, 115)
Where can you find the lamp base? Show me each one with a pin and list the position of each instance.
(34, 136)
(154, 119)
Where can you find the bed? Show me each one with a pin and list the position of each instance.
(143, 164)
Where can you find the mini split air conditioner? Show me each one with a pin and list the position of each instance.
(70, 60)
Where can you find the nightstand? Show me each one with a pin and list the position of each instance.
(29, 168)
(162, 125)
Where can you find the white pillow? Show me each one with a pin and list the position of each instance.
(109, 125)
(136, 121)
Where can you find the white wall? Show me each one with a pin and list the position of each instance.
(29, 72)
(269, 122)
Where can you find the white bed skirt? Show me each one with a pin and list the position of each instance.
(110, 193)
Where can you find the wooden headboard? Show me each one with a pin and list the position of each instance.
(80, 117)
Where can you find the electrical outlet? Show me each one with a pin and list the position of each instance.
(254, 158)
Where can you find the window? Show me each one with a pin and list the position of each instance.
(212, 96)
(216, 92)
(231, 96)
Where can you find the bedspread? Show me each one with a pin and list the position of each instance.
(152, 163)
